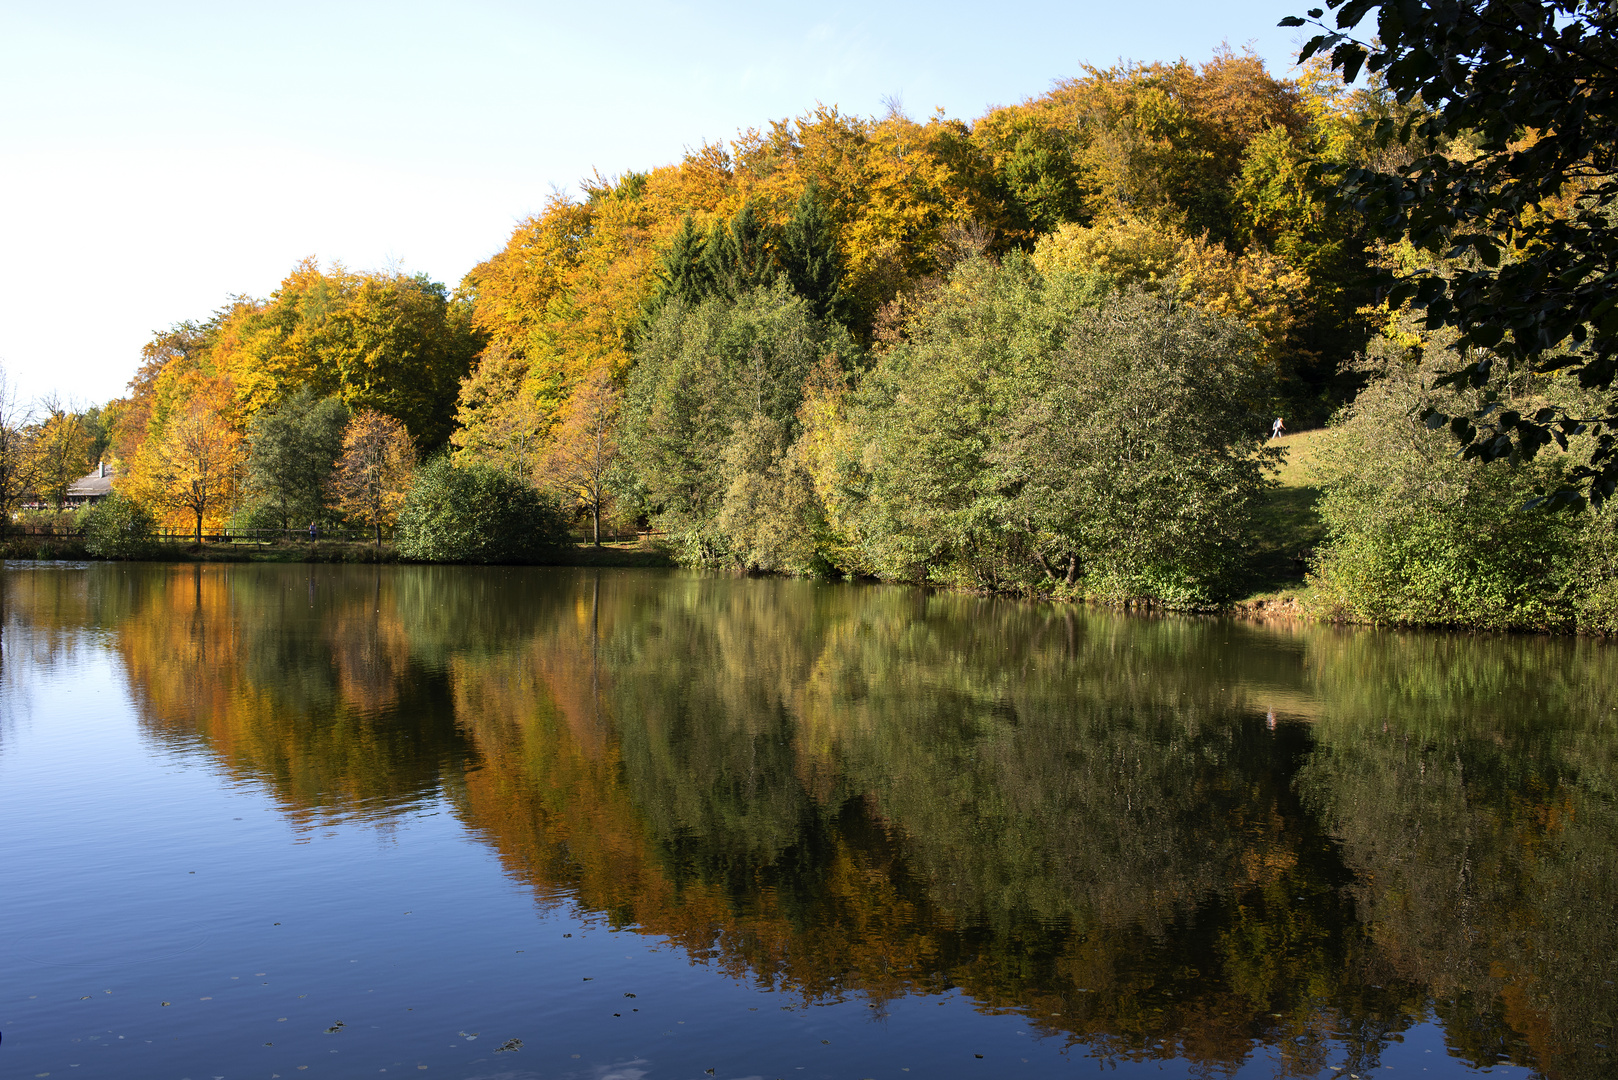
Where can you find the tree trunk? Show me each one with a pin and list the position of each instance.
(379, 534)
(199, 528)
(595, 516)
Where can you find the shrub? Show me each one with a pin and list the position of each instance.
(117, 528)
(1416, 535)
(476, 514)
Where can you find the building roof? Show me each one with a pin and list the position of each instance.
(94, 485)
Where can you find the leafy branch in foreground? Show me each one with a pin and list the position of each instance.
(1515, 185)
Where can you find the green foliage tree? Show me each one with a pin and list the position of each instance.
(117, 527)
(1038, 434)
(1520, 220)
(98, 431)
(292, 450)
(1419, 535)
(1133, 456)
(1034, 167)
(476, 514)
(703, 373)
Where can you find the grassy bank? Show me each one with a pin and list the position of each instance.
(42, 547)
(1289, 531)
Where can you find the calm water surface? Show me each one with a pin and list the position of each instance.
(299, 821)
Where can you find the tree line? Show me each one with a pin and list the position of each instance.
(1036, 352)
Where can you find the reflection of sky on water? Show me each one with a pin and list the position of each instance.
(807, 831)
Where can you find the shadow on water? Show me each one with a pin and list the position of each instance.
(1155, 838)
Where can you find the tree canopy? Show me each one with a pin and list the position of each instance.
(1513, 120)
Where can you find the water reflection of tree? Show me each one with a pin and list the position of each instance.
(302, 679)
(1481, 825)
(872, 791)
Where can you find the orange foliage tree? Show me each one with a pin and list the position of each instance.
(374, 472)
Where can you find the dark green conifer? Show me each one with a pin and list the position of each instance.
(809, 256)
(685, 268)
(752, 262)
(718, 259)
(738, 257)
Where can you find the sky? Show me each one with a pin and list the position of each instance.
(157, 159)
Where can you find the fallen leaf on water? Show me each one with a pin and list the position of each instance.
(512, 1045)
(336, 1028)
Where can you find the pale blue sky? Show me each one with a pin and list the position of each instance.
(156, 158)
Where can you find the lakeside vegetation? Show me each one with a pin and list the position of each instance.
(1038, 353)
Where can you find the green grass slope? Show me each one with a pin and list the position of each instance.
(1289, 529)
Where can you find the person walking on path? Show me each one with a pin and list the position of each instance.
(1278, 428)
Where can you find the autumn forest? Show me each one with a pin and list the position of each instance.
(1040, 352)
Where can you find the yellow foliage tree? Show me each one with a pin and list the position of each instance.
(373, 474)
(193, 465)
(1254, 287)
(501, 420)
(387, 341)
(61, 453)
(586, 447)
(828, 451)
(1128, 250)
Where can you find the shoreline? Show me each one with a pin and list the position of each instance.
(320, 552)
(1287, 605)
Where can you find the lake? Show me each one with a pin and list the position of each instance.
(264, 821)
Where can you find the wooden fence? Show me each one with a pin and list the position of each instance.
(217, 536)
